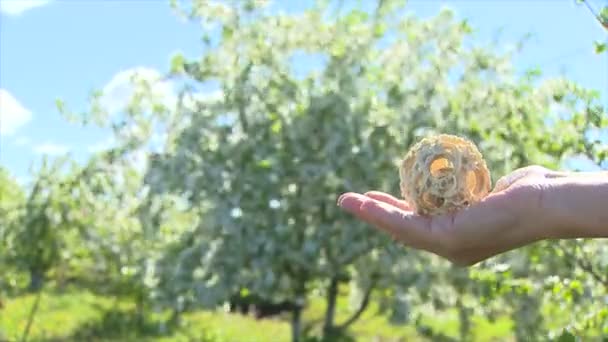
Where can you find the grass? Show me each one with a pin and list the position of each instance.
(82, 316)
(79, 315)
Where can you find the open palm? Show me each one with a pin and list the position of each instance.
(506, 219)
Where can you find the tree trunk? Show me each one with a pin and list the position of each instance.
(36, 280)
(175, 319)
(30, 319)
(330, 311)
(464, 320)
(60, 277)
(140, 311)
(296, 323)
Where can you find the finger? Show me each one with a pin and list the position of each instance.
(402, 225)
(412, 230)
(533, 170)
(351, 202)
(389, 199)
(506, 181)
(501, 184)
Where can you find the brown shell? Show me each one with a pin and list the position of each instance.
(443, 173)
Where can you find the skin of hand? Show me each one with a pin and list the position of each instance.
(530, 204)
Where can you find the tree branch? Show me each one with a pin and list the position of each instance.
(587, 267)
(240, 96)
(595, 14)
(361, 309)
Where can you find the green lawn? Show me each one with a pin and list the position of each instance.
(79, 315)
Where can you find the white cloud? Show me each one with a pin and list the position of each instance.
(21, 141)
(13, 114)
(118, 92)
(17, 7)
(50, 149)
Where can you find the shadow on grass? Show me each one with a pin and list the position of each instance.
(312, 333)
(334, 337)
(124, 324)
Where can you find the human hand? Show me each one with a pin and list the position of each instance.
(511, 216)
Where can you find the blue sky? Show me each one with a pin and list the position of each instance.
(66, 48)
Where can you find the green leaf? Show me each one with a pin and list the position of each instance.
(338, 49)
(603, 14)
(533, 72)
(466, 27)
(380, 30)
(60, 104)
(600, 47)
(177, 64)
(265, 163)
(276, 127)
(567, 336)
(227, 32)
(356, 17)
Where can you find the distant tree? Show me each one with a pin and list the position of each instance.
(12, 198)
(320, 102)
(41, 222)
